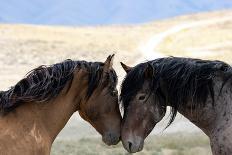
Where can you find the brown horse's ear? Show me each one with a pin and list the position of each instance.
(149, 72)
(108, 64)
(125, 67)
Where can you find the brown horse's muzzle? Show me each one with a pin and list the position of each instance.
(111, 138)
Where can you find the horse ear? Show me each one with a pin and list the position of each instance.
(149, 72)
(125, 67)
(108, 64)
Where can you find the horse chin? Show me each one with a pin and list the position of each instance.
(110, 143)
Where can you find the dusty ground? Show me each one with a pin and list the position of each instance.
(174, 144)
(24, 47)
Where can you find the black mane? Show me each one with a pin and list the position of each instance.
(46, 82)
(176, 81)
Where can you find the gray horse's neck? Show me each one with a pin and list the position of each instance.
(215, 121)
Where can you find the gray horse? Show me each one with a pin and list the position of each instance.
(201, 90)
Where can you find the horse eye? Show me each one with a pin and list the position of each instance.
(142, 97)
(115, 92)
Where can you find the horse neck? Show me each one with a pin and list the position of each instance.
(56, 114)
(212, 118)
(59, 110)
(34, 123)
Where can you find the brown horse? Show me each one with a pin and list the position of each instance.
(199, 89)
(36, 109)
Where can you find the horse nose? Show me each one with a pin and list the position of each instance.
(111, 138)
(134, 146)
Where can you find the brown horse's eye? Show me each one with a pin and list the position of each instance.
(114, 92)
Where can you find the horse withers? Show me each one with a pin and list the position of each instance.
(35, 110)
(199, 89)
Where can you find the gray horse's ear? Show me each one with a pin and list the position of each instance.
(108, 64)
(125, 67)
(149, 72)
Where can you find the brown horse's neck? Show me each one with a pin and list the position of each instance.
(57, 112)
(44, 119)
(215, 121)
(35, 125)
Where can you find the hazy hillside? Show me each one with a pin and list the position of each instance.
(97, 12)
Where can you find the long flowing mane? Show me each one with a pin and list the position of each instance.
(46, 82)
(176, 81)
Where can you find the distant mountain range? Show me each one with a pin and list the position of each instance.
(98, 12)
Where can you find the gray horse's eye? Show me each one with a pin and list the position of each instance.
(142, 97)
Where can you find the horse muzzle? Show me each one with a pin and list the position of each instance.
(134, 144)
(111, 138)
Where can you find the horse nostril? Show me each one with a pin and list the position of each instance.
(113, 137)
(109, 135)
(130, 145)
